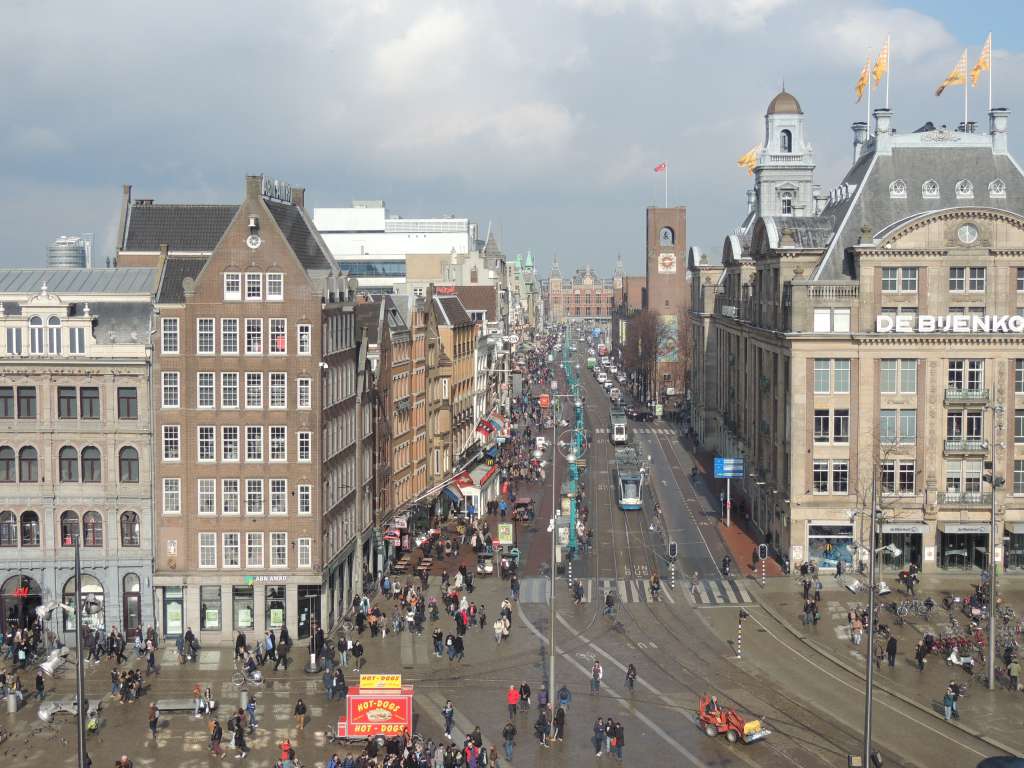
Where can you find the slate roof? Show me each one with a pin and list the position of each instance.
(301, 236)
(806, 231)
(368, 316)
(451, 312)
(98, 281)
(479, 297)
(176, 269)
(188, 227)
(116, 321)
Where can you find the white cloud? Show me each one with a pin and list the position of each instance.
(426, 49)
(849, 34)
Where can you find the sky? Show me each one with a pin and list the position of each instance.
(542, 119)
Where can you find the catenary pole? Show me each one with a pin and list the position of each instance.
(83, 704)
(869, 651)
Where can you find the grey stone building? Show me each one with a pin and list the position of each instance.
(75, 444)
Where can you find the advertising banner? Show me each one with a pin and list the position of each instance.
(381, 713)
(379, 682)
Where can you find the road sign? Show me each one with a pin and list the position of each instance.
(728, 467)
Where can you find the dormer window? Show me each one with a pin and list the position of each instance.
(898, 190)
(786, 141)
(786, 199)
(964, 190)
(997, 189)
(930, 189)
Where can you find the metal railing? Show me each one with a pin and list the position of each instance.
(957, 395)
(966, 498)
(960, 445)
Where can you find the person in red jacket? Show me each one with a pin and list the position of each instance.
(512, 697)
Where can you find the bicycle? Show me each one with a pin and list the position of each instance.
(242, 679)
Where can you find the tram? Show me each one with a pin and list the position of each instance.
(617, 429)
(629, 478)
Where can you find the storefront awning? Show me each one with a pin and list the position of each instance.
(1014, 526)
(965, 528)
(481, 475)
(905, 527)
(496, 421)
(452, 494)
(492, 452)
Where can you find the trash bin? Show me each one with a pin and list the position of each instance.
(12, 704)
(243, 699)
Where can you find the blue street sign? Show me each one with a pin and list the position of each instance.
(728, 467)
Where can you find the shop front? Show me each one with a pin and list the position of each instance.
(20, 595)
(174, 611)
(1013, 539)
(309, 609)
(828, 543)
(963, 546)
(907, 538)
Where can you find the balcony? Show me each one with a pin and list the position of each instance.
(965, 499)
(956, 395)
(965, 446)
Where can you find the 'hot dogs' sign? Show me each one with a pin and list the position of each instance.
(378, 714)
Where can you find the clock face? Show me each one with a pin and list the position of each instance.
(254, 241)
(967, 234)
(667, 263)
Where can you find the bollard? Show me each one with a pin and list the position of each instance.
(12, 704)
(243, 699)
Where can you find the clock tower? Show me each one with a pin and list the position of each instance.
(668, 297)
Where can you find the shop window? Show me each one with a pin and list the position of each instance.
(242, 603)
(209, 607)
(828, 544)
(91, 599)
(276, 616)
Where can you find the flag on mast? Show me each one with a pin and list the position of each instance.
(862, 81)
(749, 160)
(956, 77)
(881, 64)
(984, 61)
(660, 167)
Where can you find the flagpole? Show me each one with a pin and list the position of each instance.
(869, 92)
(888, 69)
(990, 62)
(965, 99)
(666, 185)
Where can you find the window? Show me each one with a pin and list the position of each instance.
(68, 528)
(786, 199)
(230, 550)
(275, 286)
(841, 426)
(304, 551)
(279, 497)
(840, 477)
(832, 320)
(1020, 279)
(964, 189)
(206, 443)
(232, 286)
(6, 402)
(254, 550)
(1018, 477)
(67, 460)
(89, 402)
(887, 426)
(67, 403)
(253, 390)
(786, 141)
(898, 190)
(890, 279)
(955, 374)
(172, 496)
(171, 442)
(278, 336)
(997, 188)
(229, 443)
(28, 465)
(8, 529)
(76, 341)
(821, 426)
(305, 345)
(169, 335)
(305, 446)
(908, 426)
(930, 189)
(820, 477)
(206, 330)
(229, 336)
(206, 390)
(964, 425)
(229, 390)
(898, 377)
(26, 402)
(131, 530)
(305, 499)
(91, 470)
(278, 550)
(35, 335)
(253, 336)
(304, 395)
(29, 529)
(14, 341)
(127, 403)
(8, 473)
(230, 497)
(170, 389)
(906, 477)
(899, 279)
(207, 550)
(128, 464)
(1018, 426)
(976, 279)
(254, 443)
(957, 279)
(53, 335)
(841, 383)
(254, 497)
(253, 286)
(278, 443)
(278, 390)
(209, 607)
(92, 525)
(1018, 376)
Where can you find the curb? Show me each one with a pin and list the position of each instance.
(817, 648)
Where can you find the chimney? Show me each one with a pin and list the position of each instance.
(883, 131)
(860, 138)
(253, 187)
(299, 197)
(122, 224)
(751, 199)
(998, 123)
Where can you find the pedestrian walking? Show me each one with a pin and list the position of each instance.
(558, 725)
(817, 590)
(564, 697)
(947, 703)
(448, 713)
(920, 655)
(618, 740)
(542, 727)
(250, 711)
(154, 719)
(41, 685)
(630, 677)
(300, 715)
(240, 646)
(596, 673)
(512, 699)
(890, 651)
(240, 745)
(879, 651)
(508, 733)
(438, 639)
(598, 738)
(328, 681)
(856, 630)
(1013, 671)
(284, 644)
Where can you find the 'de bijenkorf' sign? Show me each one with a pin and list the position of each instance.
(949, 324)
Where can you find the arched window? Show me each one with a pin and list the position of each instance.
(786, 140)
(786, 199)
(68, 528)
(91, 464)
(132, 583)
(997, 188)
(930, 189)
(91, 599)
(128, 461)
(53, 338)
(92, 524)
(35, 335)
(964, 189)
(131, 531)
(29, 529)
(28, 465)
(7, 468)
(68, 459)
(898, 190)
(8, 529)
(667, 236)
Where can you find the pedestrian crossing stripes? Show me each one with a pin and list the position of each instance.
(721, 592)
(537, 590)
(641, 431)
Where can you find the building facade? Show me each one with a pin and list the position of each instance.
(862, 349)
(667, 295)
(584, 296)
(75, 448)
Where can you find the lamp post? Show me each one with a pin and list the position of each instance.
(997, 482)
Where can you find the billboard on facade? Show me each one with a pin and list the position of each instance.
(668, 339)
